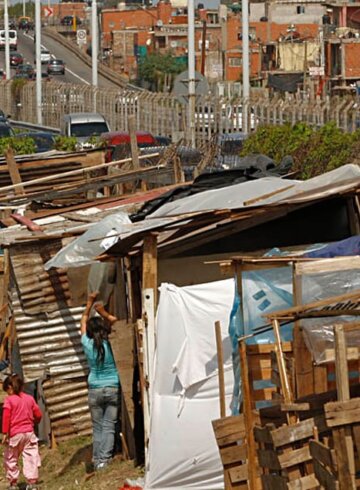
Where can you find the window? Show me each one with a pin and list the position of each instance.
(300, 9)
(235, 61)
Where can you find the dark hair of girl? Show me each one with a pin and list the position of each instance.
(16, 383)
(97, 330)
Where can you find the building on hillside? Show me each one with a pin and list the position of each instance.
(131, 33)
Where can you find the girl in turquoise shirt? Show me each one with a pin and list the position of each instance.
(103, 380)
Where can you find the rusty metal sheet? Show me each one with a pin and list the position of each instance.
(48, 334)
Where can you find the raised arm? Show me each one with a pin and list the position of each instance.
(99, 307)
(85, 316)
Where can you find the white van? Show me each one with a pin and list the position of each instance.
(83, 125)
(12, 39)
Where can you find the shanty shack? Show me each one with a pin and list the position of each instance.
(183, 242)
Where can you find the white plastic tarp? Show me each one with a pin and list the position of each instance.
(84, 249)
(185, 397)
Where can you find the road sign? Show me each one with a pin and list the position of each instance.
(317, 71)
(81, 36)
(48, 11)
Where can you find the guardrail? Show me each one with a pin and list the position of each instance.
(104, 71)
(33, 127)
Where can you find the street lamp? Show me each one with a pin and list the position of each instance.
(38, 61)
(94, 43)
(191, 70)
(7, 40)
(245, 64)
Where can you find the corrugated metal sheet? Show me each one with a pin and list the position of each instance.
(48, 333)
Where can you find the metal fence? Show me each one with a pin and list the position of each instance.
(162, 114)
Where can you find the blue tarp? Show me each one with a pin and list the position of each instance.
(271, 290)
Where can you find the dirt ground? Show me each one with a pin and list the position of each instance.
(69, 467)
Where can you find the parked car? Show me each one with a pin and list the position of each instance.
(84, 125)
(44, 141)
(56, 67)
(6, 130)
(115, 140)
(163, 140)
(68, 20)
(16, 58)
(25, 69)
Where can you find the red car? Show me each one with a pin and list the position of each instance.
(115, 139)
(16, 58)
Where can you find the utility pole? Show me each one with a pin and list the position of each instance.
(24, 8)
(7, 40)
(191, 70)
(94, 48)
(203, 48)
(245, 64)
(38, 61)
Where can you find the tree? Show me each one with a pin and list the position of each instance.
(160, 70)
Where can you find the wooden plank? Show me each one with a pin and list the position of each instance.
(328, 265)
(248, 417)
(284, 378)
(343, 443)
(307, 482)
(263, 394)
(352, 354)
(233, 454)
(297, 432)
(342, 413)
(220, 361)
(325, 477)
(133, 142)
(14, 171)
(228, 425)
(239, 473)
(345, 467)
(321, 453)
(235, 437)
(294, 457)
(267, 348)
(295, 407)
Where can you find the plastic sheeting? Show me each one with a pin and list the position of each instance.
(235, 196)
(185, 398)
(83, 250)
(263, 292)
(230, 197)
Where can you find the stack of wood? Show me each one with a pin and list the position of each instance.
(295, 443)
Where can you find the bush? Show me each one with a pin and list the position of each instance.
(65, 143)
(21, 146)
(314, 151)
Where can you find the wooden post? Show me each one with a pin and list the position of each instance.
(304, 373)
(14, 171)
(248, 417)
(220, 358)
(149, 273)
(133, 142)
(149, 302)
(343, 442)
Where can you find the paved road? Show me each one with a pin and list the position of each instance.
(76, 70)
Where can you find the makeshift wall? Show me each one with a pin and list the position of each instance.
(185, 398)
(48, 332)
